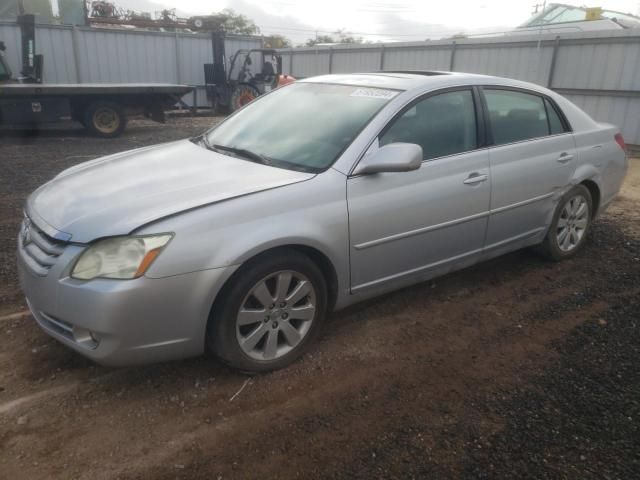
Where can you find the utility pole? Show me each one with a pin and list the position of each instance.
(85, 11)
(536, 7)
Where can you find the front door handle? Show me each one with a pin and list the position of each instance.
(475, 178)
(565, 157)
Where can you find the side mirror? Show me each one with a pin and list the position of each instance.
(394, 157)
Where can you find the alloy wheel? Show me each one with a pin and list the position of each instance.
(276, 315)
(572, 223)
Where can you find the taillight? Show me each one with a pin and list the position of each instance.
(620, 141)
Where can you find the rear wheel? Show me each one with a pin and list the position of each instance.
(242, 95)
(105, 119)
(570, 224)
(271, 312)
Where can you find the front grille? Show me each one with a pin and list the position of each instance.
(38, 250)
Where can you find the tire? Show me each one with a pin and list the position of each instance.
(246, 341)
(104, 119)
(570, 224)
(242, 95)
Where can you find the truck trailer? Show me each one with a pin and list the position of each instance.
(102, 108)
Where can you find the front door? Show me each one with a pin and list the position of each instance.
(404, 226)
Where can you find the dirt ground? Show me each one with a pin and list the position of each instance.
(515, 368)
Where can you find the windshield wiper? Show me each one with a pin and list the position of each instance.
(242, 152)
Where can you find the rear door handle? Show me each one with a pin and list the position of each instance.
(475, 178)
(565, 157)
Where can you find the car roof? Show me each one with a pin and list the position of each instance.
(419, 80)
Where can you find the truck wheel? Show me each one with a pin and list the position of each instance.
(242, 95)
(105, 119)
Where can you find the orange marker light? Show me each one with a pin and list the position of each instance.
(147, 261)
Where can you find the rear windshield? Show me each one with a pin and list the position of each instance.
(303, 126)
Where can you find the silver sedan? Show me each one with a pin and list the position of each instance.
(318, 195)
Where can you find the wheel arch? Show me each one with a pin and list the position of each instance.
(589, 176)
(316, 255)
(594, 190)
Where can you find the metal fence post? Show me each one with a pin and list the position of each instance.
(177, 43)
(552, 67)
(76, 58)
(330, 59)
(452, 58)
(382, 52)
(291, 64)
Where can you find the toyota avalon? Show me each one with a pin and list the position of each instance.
(317, 195)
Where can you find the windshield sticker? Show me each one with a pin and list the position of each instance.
(374, 93)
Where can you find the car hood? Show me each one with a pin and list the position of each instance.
(114, 195)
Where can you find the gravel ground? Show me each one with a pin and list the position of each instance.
(515, 368)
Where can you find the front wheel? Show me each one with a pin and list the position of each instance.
(270, 312)
(570, 224)
(242, 95)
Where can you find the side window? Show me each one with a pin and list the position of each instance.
(442, 124)
(516, 116)
(555, 124)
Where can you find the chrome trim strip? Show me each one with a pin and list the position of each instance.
(44, 226)
(30, 263)
(44, 244)
(523, 203)
(39, 255)
(58, 323)
(161, 344)
(399, 236)
(414, 270)
(530, 233)
(53, 328)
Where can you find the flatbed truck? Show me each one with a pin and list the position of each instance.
(102, 108)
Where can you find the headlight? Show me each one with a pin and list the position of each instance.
(119, 257)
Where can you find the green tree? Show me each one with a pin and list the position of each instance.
(340, 36)
(236, 23)
(276, 41)
(344, 37)
(320, 39)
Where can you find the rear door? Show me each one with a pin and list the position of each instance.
(532, 159)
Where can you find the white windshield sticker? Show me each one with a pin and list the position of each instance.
(373, 93)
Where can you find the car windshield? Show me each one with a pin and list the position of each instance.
(303, 126)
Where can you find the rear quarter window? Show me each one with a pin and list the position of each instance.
(555, 123)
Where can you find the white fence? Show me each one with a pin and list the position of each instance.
(599, 71)
(99, 55)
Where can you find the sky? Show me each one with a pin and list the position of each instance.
(377, 20)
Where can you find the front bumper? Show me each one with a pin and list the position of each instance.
(123, 322)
